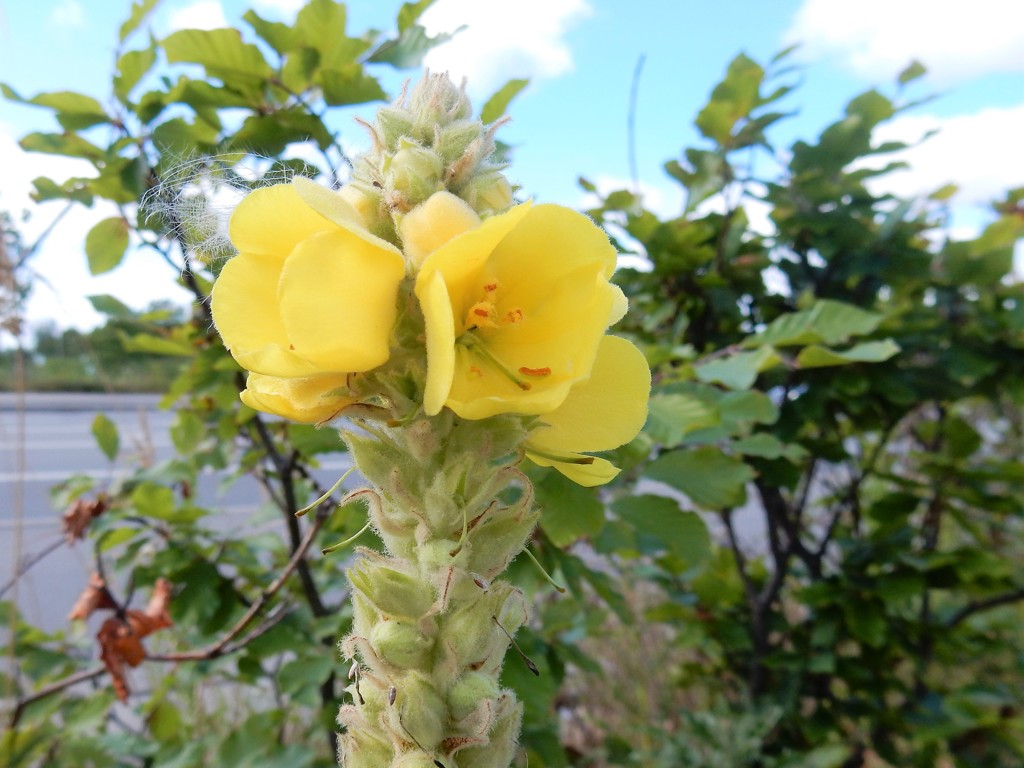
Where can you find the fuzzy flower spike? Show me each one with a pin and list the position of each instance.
(460, 335)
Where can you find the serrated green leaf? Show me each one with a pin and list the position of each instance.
(568, 511)
(105, 432)
(106, 244)
(707, 476)
(496, 106)
(680, 532)
(740, 370)
(816, 356)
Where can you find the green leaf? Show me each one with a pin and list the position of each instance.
(675, 530)
(751, 406)
(320, 25)
(106, 244)
(131, 66)
(867, 622)
(349, 84)
(915, 70)
(108, 305)
(498, 103)
(105, 432)
(67, 144)
(672, 416)
(767, 446)
(827, 321)
(278, 36)
(408, 49)
(152, 500)
(707, 476)
(140, 10)
(816, 356)
(568, 511)
(738, 371)
(221, 52)
(731, 100)
(410, 12)
(156, 345)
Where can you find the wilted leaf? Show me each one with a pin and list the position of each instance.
(121, 639)
(77, 517)
(94, 597)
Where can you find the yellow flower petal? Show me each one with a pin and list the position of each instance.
(244, 307)
(433, 223)
(605, 411)
(337, 297)
(273, 220)
(336, 208)
(598, 472)
(433, 298)
(311, 400)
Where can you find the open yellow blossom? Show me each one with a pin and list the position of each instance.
(603, 412)
(310, 293)
(515, 307)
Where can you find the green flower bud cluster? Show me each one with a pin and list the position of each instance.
(431, 623)
(428, 141)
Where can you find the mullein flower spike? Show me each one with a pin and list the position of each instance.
(461, 334)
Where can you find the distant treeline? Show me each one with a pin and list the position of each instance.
(106, 359)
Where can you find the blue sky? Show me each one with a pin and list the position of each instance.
(580, 56)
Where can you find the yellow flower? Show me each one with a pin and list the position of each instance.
(603, 412)
(312, 400)
(310, 294)
(515, 307)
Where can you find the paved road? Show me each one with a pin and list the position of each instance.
(44, 438)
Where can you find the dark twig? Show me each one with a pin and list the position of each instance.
(978, 606)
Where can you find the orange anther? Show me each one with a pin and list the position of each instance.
(535, 371)
(481, 312)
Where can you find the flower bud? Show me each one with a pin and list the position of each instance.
(415, 172)
(400, 644)
(488, 193)
(468, 691)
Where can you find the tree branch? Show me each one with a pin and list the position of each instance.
(983, 605)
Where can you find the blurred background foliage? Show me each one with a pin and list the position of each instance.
(813, 558)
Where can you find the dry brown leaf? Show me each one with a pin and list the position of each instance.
(93, 598)
(75, 520)
(121, 639)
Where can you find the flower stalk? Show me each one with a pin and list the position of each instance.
(457, 337)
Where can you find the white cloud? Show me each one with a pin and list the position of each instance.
(955, 39)
(69, 14)
(205, 14)
(503, 40)
(63, 280)
(280, 7)
(979, 152)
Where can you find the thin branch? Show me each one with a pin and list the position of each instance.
(634, 91)
(983, 605)
(219, 648)
(740, 558)
(28, 562)
(52, 688)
